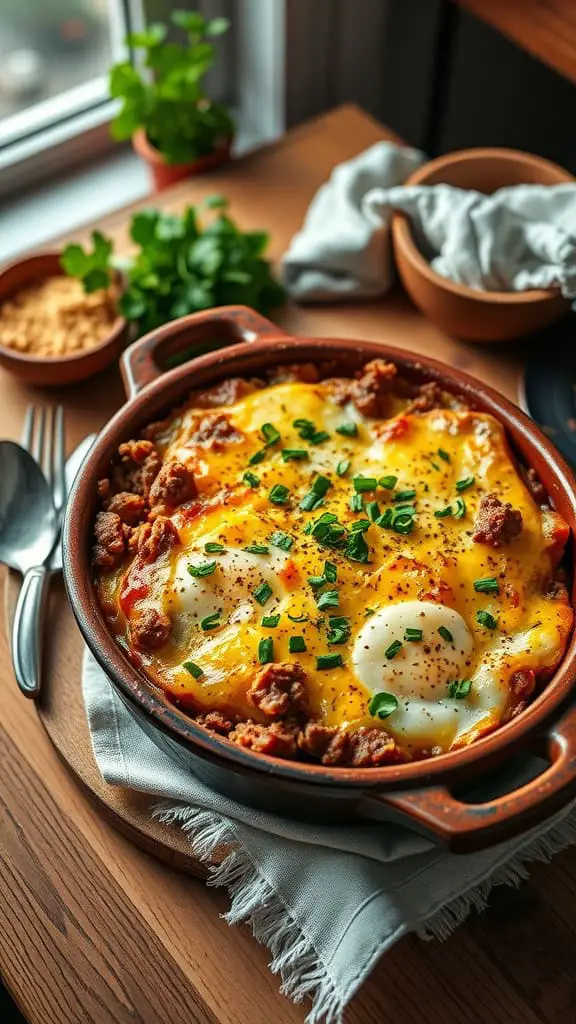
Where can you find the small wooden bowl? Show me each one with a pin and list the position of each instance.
(456, 308)
(58, 370)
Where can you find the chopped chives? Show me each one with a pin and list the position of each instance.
(324, 661)
(305, 428)
(406, 495)
(319, 437)
(193, 669)
(357, 549)
(486, 619)
(464, 483)
(441, 513)
(296, 644)
(263, 592)
(383, 704)
(369, 611)
(257, 549)
(347, 429)
(266, 650)
(279, 494)
(459, 508)
(392, 650)
(459, 688)
(210, 621)
(329, 599)
(339, 629)
(270, 621)
(487, 585)
(356, 503)
(270, 434)
(343, 467)
(321, 485)
(413, 635)
(294, 454)
(446, 634)
(204, 569)
(310, 502)
(443, 455)
(213, 549)
(388, 482)
(373, 510)
(362, 484)
(298, 618)
(330, 572)
(281, 540)
(256, 458)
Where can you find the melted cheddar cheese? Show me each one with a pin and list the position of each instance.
(395, 607)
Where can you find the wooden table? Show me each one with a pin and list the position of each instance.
(93, 929)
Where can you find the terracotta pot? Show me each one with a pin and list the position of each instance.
(165, 174)
(455, 308)
(59, 370)
(237, 341)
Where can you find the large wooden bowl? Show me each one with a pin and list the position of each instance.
(237, 341)
(457, 309)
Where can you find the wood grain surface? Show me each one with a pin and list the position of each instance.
(93, 930)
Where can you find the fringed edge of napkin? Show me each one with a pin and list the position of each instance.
(255, 902)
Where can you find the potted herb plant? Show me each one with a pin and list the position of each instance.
(174, 126)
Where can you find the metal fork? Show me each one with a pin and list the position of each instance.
(43, 437)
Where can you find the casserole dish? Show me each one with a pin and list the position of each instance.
(427, 794)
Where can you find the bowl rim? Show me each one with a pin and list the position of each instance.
(403, 237)
(137, 690)
(12, 355)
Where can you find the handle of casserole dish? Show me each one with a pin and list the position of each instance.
(181, 340)
(465, 827)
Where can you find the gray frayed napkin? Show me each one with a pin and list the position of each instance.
(324, 936)
(518, 238)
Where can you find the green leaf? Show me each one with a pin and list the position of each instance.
(94, 280)
(215, 202)
(168, 227)
(217, 27)
(153, 35)
(190, 21)
(132, 305)
(383, 704)
(74, 260)
(143, 226)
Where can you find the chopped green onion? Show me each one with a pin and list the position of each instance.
(446, 634)
(319, 437)
(270, 434)
(257, 549)
(321, 485)
(329, 599)
(441, 513)
(373, 510)
(347, 429)
(362, 484)
(263, 592)
(296, 644)
(281, 540)
(294, 454)
(459, 508)
(356, 503)
(266, 650)
(465, 483)
(270, 621)
(298, 618)
(204, 569)
(310, 502)
(392, 650)
(213, 549)
(210, 622)
(443, 455)
(330, 572)
(343, 467)
(486, 619)
(369, 611)
(357, 549)
(432, 463)
(324, 661)
(339, 629)
(305, 428)
(193, 669)
(256, 458)
(460, 688)
(487, 585)
(383, 704)
(413, 635)
(388, 482)
(279, 494)
(401, 519)
(313, 497)
(406, 495)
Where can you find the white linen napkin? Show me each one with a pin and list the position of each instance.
(518, 238)
(328, 901)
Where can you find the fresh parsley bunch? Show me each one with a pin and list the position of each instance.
(169, 101)
(182, 267)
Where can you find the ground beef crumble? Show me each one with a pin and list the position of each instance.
(278, 739)
(496, 522)
(173, 486)
(110, 544)
(215, 430)
(149, 629)
(156, 538)
(279, 689)
(360, 749)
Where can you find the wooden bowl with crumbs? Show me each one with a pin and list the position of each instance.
(51, 332)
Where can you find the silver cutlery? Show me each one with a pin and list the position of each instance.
(28, 532)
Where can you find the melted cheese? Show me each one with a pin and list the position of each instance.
(424, 579)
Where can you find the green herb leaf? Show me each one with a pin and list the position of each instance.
(329, 599)
(363, 484)
(444, 455)
(257, 549)
(279, 494)
(347, 429)
(343, 467)
(263, 592)
(441, 513)
(459, 688)
(212, 548)
(203, 569)
(251, 479)
(330, 572)
(296, 644)
(294, 454)
(356, 502)
(413, 635)
(373, 510)
(305, 428)
(393, 649)
(383, 704)
(487, 585)
(326, 661)
(459, 508)
(193, 669)
(298, 618)
(486, 619)
(357, 549)
(339, 629)
(388, 482)
(270, 434)
(281, 540)
(406, 495)
(270, 621)
(446, 634)
(266, 650)
(210, 622)
(319, 436)
(465, 483)
(256, 458)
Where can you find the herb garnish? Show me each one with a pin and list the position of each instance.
(406, 495)
(213, 548)
(388, 482)
(459, 688)
(313, 498)
(307, 431)
(373, 510)
(294, 454)
(256, 458)
(266, 650)
(193, 669)
(257, 549)
(270, 434)
(263, 592)
(329, 599)
(210, 622)
(343, 467)
(270, 621)
(298, 618)
(348, 429)
(446, 634)
(362, 484)
(401, 519)
(413, 635)
(443, 455)
(392, 650)
(486, 619)
(487, 585)
(356, 502)
(281, 540)
(296, 644)
(339, 629)
(465, 483)
(279, 494)
(324, 661)
(204, 569)
(383, 704)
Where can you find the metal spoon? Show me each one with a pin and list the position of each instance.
(28, 532)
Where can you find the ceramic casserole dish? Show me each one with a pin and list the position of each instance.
(430, 795)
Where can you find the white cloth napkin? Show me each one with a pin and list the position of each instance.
(518, 238)
(328, 901)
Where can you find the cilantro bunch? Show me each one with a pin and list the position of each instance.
(181, 266)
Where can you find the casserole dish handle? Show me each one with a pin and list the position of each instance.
(163, 349)
(464, 826)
